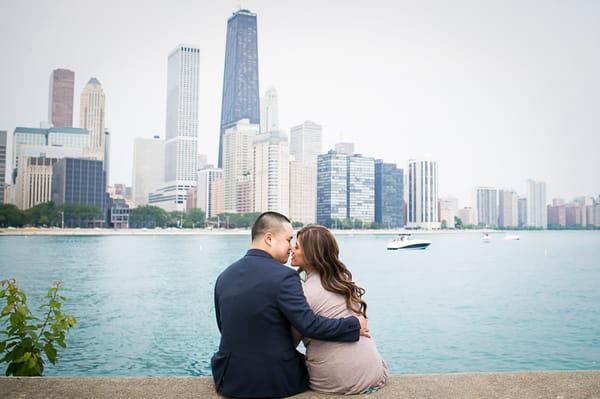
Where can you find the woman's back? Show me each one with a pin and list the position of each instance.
(336, 367)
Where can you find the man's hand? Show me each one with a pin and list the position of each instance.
(364, 329)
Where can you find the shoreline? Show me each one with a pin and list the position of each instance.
(532, 384)
(33, 231)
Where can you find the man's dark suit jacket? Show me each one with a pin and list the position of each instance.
(257, 299)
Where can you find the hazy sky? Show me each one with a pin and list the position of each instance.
(496, 91)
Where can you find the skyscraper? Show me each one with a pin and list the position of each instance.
(269, 111)
(306, 142)
(181, 144)
(60, 103)
(522, 209)
(303, 192)
(389, 195)
(361, 188)
(423, 194)
(148, 167)
(2, 164)
(237, 166)
(508, 208)
(92, 113)
(332, 186)
(537, 214)
(208, 194)
(270, 172)
(486, 204)
(79, 181)
(240, 81)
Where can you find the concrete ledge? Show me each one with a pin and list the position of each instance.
(563, 385)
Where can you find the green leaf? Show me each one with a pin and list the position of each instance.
(2, 346)
(50, 353)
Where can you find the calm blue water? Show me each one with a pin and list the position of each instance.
(145, 307)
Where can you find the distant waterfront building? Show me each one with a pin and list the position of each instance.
(536, 204)
(467, 216)
(361, 188)
(448, 208)
(270, 172)
(60, 103)
(148, 167)
(269, 112)
(237, 166)
(306, 142)
(3, 145)
(303, 192)
(557, 216)
(181, 138)
(486, 201)
(240, 98)
(423, 194)
(508, 208)
(597, 214)
(92, 112)
(389, 195)
(79, 181)
(344, 148)
(34, 176)
(332, 186)
(573, 215)
(522, 210)
(208, 193)
(51, 137)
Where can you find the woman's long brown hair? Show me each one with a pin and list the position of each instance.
(321, 253)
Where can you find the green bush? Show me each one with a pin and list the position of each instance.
(24, 338)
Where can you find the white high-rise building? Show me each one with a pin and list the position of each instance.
(448, 208)
(303, 192)
(537, 215)
(237, 166)
(92, 113)
(148, 167)
(181, 142)
(508, 208)
(3, 159)
(423, 194)
(209, 193)
(486, 206)
(306, 142)
(269, 111)
(270, 172)
(361, 188)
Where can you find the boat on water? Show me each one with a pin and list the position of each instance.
(512, 237)
(403, 241)
(486, 238)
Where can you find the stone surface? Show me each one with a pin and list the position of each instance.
(558, 385)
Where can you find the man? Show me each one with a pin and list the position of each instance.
(257, 300)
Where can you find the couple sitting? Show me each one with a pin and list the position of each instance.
(263, 311)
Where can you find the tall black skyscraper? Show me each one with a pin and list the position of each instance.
(240, 80)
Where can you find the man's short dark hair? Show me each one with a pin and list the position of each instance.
(268, 221)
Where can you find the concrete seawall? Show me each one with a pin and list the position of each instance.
(560, 385)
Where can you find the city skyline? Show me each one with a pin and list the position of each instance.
(526, 112)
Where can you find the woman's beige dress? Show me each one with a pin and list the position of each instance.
(339, 367)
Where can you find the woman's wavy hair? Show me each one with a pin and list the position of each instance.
(321, 252)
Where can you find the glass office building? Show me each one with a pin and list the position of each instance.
(389, 195)
(79, 181)
(240, 81)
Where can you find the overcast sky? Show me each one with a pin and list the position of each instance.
(496, 91)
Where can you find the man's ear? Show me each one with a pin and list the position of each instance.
(268, 238)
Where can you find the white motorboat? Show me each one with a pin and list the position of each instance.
(486, 238)
(403, 241)
(512, 237)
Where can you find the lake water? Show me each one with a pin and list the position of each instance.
(145, 303)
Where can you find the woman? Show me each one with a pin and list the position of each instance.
(335, 367)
